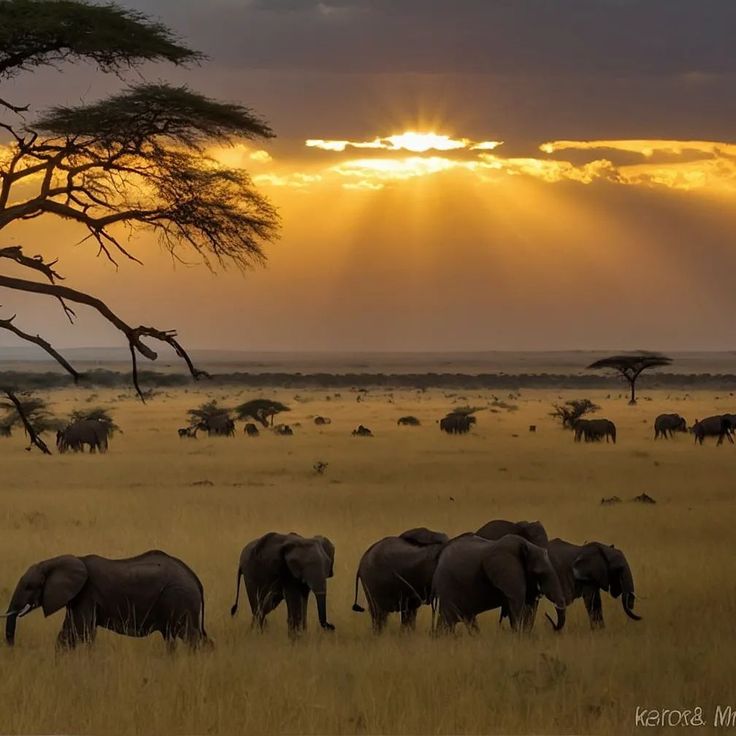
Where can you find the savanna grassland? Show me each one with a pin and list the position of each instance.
(203, 499)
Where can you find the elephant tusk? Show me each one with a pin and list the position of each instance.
(26, 609)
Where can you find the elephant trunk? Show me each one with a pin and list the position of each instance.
(627, 601)
(322, 610)
(10, 628)
(561, 616)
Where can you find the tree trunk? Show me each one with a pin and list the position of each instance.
(632, 400)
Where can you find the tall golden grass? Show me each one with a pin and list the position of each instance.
(144, 494)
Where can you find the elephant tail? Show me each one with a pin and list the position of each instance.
(356, 607)
(234, 609)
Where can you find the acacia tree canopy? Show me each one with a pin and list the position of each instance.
(135, 160)
(630, 366)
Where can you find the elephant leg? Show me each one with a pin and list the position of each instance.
(409, 618)
(529, 614)
(379, 617)
(472, 626)
(262, 602)
(79, 626)
(594, 607)
(516, 612)
(296, 596)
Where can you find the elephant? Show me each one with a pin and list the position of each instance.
(361, 431)
(456, 423)
(251, 430)
(89, 432)
(593, 430)
(219, 425)
(396, 575)
(135, 596)
(278, 567)
(585, 570)
(475, 575)
(716, 426)
(319, 421)
(532, 531)
(408, 421)
(665, 425)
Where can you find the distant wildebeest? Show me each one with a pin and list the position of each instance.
(251, 430)
(457, 423)
(408, 421)
(89, 432)
(187, 432)
(284, 430)
(593, 430)
(719, 426)
(665, 425)
(319, 421)
(361, 431)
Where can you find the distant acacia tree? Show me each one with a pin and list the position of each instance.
(631, 366)
(569, 412)
(29, 411)
(262, 410)
(136, 160)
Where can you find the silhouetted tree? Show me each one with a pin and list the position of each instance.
(204, 414)
(569, 412)
(30, 412)
(631, 366)
(261, 410)
(137, 159)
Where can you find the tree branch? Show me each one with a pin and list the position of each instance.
(30, 431)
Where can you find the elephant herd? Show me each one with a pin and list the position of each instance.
(91, 433)
(503, 565)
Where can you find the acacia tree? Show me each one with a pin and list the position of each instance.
(632, 365)
(134, 160)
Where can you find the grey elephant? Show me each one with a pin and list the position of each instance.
(720, 426)
(593, 430)
(396, 575)
(665, 425)
(288, 567)
(456, 423)
(219, 425)
(585, 570)
(361, 431)
(85, 432)
(251, 430)
(532, 531)
(135, 596)
(474, 575)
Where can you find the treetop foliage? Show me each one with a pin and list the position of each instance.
(48, 32)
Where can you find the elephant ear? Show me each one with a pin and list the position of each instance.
(329, 549)
(423, 537)
(65, 577)
(591, 567)
(535, 532)
(617, 568)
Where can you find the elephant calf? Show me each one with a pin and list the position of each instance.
(396, 574)
(288, 567)
(135, 596)
(474, 575)
(585, 570)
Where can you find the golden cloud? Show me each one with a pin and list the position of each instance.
(411, 140)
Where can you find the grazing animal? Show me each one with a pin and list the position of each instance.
(665, 425)
(219, 425)
(585, 570)
(284, 430)
(319, 421)
(135, 596)
(532, 531)
(593, 430)
(396, 575)
(361, 431)
(456, 423)
(288, 567)
(408, 421)
(187, 432)
(716, 426)
(251, 430)
(474, 575)
(85, 432)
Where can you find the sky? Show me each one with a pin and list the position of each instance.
(451, 175)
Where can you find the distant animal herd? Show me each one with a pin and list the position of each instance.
(503, 565)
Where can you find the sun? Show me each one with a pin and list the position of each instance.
(418, 142)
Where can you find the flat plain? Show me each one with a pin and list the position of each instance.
(203, 499)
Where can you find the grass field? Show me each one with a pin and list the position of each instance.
(147, 492)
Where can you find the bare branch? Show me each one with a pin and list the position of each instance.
(30, 431)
